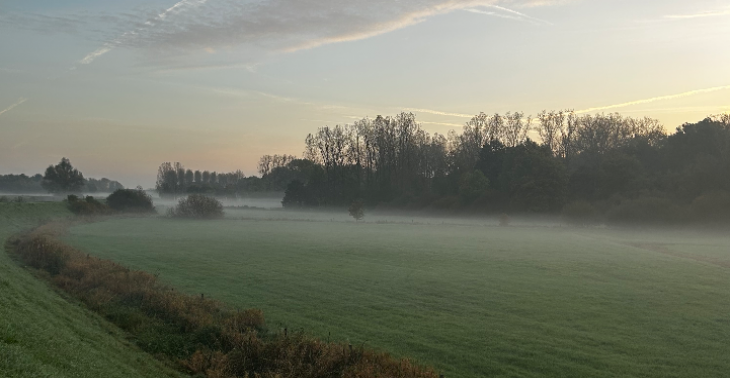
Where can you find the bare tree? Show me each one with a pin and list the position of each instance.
(268, 163)
(515, 128)
(551, 129)
(723, 118)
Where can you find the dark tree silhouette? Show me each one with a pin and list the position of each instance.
(357, 210)
(63, 178)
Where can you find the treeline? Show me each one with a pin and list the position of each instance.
(607, 161)
(277, 171)
(22, 184)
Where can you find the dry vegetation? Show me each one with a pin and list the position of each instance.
(197, 334)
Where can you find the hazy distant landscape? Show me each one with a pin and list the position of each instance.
(364, 189)
(386, 251)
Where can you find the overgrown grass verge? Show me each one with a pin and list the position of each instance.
(199, 335)
(44, 335)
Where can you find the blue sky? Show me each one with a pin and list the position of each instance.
(120, 87)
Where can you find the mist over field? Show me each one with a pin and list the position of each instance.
(364, 189)
(463, 294)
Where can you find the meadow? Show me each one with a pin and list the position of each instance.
(471, 300)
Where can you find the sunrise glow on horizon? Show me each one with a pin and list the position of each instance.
(119, 87)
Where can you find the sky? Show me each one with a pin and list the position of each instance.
(119, 87)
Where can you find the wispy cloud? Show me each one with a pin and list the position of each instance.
(417, 16)
(509, 14)
(97, 53)
(436, 112)
(713, 13)
(544, 3)
(277, 26)
(446, 124)
(179, 7)
(655, 99)
(263, 27)
(11, 107)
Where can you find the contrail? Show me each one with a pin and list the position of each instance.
(436, 112)
(181, 4)
(496, 14)
(698, 15)
(109, 46)
(515, 15)
(20, 101)
(442, 124)
(97, 53)
(654, 99)
(406, 20)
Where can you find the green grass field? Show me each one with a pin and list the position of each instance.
(44, 335)
(472, 301)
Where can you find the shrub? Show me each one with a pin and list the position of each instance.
(580, 213)
(42, 252)
(712, 207)
(647, 210)
(197, 206)
(130, 200)
(86, 206)
(357, 210)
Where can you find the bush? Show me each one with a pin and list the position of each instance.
(647, 210)
(580, 213)
(42, 253)
(357, 210)
(130, 200)
(712, 207)
(86, 206)
(197, 206)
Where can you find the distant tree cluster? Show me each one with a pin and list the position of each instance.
(103, 185)
(21, 184)
(61, 178)
(277, 171)
(602, 165)
(173, 179)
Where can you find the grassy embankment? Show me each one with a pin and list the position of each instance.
(43, 334)
(473, 301)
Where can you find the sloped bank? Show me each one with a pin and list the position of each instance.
(44, 335)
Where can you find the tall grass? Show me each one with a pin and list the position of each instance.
(198, 334)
